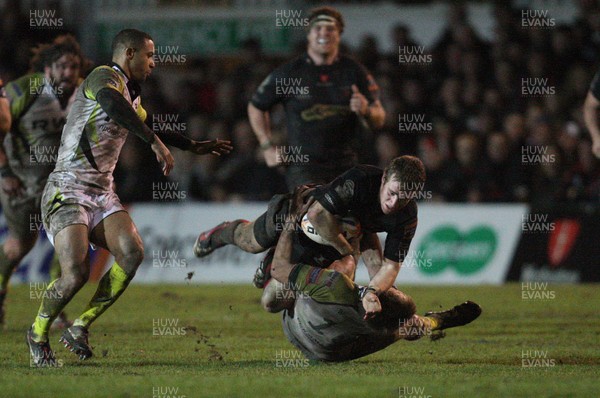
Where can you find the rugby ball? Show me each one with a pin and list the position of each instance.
(350, 229)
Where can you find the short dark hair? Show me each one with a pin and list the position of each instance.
(395, 307)
(326, 10)
(130, 38)
(406, 169)
(46, 54)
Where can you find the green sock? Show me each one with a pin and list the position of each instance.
(53, 303)
(111, 286)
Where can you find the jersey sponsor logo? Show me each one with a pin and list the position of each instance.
(346, 190)
(324, 111)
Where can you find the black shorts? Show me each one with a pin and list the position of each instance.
(269, 225)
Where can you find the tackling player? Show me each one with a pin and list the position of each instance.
(382, 200)
(327, 321)
(79, 205)
(39, 104)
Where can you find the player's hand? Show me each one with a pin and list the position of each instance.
(163, 156)
(271, 158)
(358, 102)
(12, 186)
(596, 147)
(301, 201)
(371, 305)
(216, 147)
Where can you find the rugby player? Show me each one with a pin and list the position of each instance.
(382, 200)
(39, 103)
(327, 321)
(79, 205)
(591, 106)
(327, 99)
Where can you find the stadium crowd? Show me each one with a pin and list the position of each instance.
(497, 121)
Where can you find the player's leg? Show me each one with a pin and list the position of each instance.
(117, 234)
(252, 237)
(71, 244)
(22, 234)
(418, 326)
(61, 320)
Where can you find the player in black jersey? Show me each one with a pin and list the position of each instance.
(382, 200)
(327, 97)
(591, 107)
(329, 321)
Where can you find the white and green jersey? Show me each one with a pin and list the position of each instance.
(91, 141)
(38, 119)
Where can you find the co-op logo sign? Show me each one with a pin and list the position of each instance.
(464, 252)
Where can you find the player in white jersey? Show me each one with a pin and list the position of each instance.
(79, 206)
(38, 106)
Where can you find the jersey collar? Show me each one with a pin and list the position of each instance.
(134, 88)
(310, 61)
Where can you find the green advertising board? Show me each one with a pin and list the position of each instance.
(197, 36)
(466, 252)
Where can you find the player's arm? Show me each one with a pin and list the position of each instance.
(591, 106)
(261, 125)
(281, 266)
(175, 139)
(371, 253)
(376, 115)
(260, 119)
(119, 110)
(328, 226)
(373, 112)
(336, 199)
(365, 100)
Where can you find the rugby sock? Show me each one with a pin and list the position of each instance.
(53, 302)
(434, 323)
(111, 286)
(227, 233)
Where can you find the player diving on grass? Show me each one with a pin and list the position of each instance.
(38, 106)
(333, 319)
(382, 201)
(79, 205)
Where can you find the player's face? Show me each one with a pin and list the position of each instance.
(142, 62)
(391, 198)
(323, 38)
(64, 72)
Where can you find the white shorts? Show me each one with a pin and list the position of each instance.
(64, 205)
